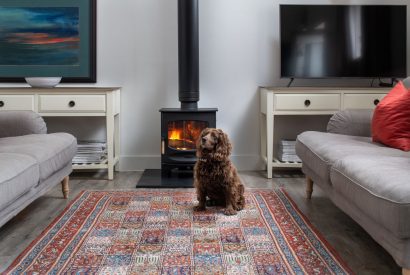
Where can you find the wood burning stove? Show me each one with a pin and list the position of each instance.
(180, 129)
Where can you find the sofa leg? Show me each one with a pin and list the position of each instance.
(405, 271)
(65, 187)
(309, 187)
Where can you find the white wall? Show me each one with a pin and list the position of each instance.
(239, 50)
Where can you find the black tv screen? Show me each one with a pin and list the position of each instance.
(326, 41)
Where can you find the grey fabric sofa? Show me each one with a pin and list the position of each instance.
(368, 181)
(31, 161)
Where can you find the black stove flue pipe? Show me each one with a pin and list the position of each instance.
(188, 53)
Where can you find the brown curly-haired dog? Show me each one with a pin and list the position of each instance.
(215, 176)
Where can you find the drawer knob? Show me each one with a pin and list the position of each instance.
(1, 103)
(307, 102)
(376, 101)
(71, 103)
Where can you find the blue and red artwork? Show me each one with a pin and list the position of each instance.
(39, 36)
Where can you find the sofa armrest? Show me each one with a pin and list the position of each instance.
(20, 123)
(351, 122)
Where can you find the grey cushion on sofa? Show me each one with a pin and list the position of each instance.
(19, 123)
(351, 122)
(51, 151)
(379, 186)
(319, 151)
(18, 172)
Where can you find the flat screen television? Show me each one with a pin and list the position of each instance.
(332, 41)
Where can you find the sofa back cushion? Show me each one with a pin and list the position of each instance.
(391, 119)
(20, 123)
(351, 122)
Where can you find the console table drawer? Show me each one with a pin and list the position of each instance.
(313, 102)
(17, 102)
(72, 103)
(362, 101)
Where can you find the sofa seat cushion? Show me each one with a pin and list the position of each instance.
(52, 151)
(319, 151)
(379, 186)
(18, 174)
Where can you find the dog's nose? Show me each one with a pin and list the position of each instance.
(203, 139)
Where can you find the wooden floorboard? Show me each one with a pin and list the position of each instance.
(355, 246)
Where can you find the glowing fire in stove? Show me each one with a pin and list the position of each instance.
(175, 134)
(178, 140)
(182, 135)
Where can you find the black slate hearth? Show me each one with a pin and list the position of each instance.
(154, 178)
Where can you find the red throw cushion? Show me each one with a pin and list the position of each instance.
(391, 119)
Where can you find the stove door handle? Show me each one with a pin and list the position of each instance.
(162, 146)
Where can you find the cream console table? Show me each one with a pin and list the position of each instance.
(275, 102)
(73, 102)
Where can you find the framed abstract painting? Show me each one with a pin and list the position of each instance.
(48, 38)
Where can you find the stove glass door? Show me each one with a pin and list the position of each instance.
(183, 134)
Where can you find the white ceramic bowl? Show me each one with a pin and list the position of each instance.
(43, 82)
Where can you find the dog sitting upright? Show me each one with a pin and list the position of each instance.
(215, 176)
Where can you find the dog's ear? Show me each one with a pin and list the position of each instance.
(198, 142)
(223, 147)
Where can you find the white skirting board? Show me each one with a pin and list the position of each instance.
(140, 163)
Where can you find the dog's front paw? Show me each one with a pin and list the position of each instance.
(199, 208)
(230, 212)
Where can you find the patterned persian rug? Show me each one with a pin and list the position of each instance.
(157, 232)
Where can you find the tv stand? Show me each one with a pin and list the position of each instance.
(304, 104)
